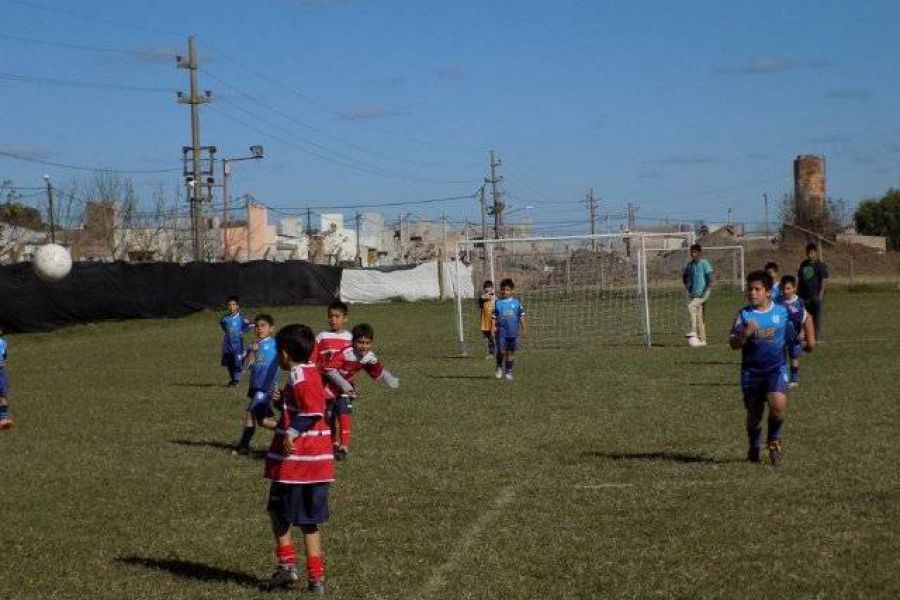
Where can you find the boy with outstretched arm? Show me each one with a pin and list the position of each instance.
(329, 345)
(799, 314)
(761, 331)
(234, 324)
(263, 364)
(355, 358)
(509, 323)
(486, 315)
(299, 463)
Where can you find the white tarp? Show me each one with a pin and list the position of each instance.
(417, 283)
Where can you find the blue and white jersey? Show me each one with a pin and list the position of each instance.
(776, 294)
(765, 351)
(797, 316)
(3, 350)
(508, 313)
(264, 370)
(234, 327)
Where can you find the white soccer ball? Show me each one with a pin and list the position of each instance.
(52, 262)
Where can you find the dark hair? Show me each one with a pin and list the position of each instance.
(297, 341)
(267, 318)
(761, 277)
(788, 279)
(363, 330)
(487, 283)
(232, 297)
(338, 305)
(771, 265)
(508, 283)
(812, 246)
(697, 248)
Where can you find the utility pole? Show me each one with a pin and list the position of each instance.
(358, 255)
(496, 196)
(195, 180)
(50, 207)
(256, 154)
(632, 209)
(483, 214)
(729, 216)
(247, 205)
(592, 207)
(766, 202)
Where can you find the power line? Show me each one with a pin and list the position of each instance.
(15, 156)
(80, 83)
(70, 46)
(381, 204)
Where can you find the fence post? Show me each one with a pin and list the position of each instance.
(642, 262)
(851, 272)
(457, 289)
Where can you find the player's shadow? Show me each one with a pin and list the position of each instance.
(186, 569)
(260, 454)
(666, 456)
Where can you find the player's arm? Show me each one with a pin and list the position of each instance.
(251, 355)
(708, 278)
(823, 277)
(375, 369)
(741, 333)
(809, 333)
(300, 421)
(334, 376)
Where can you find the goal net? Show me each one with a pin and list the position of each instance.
(617, 288)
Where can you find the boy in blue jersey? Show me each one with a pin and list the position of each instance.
(509, 323)
(697, 278)
(5, 421)
(772, 269)
(761, 331)
(234, 324)
(798, 311)
(263, 363)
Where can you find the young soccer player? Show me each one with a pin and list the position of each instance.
(355, 358)
(795, 306)
(811, 278)
(772, 269)
(761, 331)
(509, 323)
(234, 324)
(329, 345)
(263, 364)
(697, 278)
(299, 463)
(5, 421)
(486, 315)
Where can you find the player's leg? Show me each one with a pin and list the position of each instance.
(701, 320)
(754, 402)
(814, 308)
(279, 508)
(331, 415)
(501, 356)
(694, 315)
(511, 346)
(344, 410)
(776, 397)
(489, 338)
(5, 421)
(315, 501)
(794, 352)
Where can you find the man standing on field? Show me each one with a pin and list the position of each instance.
(697, 279)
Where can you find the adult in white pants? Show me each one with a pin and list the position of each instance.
(697, 279)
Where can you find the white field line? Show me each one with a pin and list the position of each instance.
(437, 579)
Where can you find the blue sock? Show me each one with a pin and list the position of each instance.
(499, 360)
(775, 426)
(509, 365)
(795, 373)
(754, 436)
(4, 411)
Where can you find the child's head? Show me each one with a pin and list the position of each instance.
(232, 304)
(337, 315)
(759, 284)
(772, 269)
(363, 336)
(507, 286)
(789, 286)
(812, 251)
(487, 286)
(696, 250)
(295, 344)
(265, 325)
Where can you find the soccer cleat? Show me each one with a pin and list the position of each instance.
(240, 451)
(753, 456)
(775, 451)
(340, 453)
(499, 373)
(282, 578)
(509, 376)
(316, 586)
(232, 383)
(6, 424)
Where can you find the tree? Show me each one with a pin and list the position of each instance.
(881, 217)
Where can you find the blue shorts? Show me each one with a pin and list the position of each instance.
(757, 386)
(299, 504)
(232, 361)
(259, 405)
(507, 344)
(795, 350)
(3, 385)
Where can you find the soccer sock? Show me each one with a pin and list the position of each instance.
(345, 421)
(499, 360)
(754, 436)
(246, 436)
(286, 555)
(315, 568)
(775, 426)
(4, 411)
(509, 365)
(795, 373)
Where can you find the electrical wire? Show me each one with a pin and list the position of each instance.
(21, 157)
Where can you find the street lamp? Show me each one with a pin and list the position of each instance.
(256, 153)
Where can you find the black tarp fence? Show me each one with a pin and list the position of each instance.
(96, 291)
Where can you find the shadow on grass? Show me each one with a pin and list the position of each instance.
(259, 454)
(676, 457)
(186, 569)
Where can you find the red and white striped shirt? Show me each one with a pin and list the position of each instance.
(328, 345)
(348, 364)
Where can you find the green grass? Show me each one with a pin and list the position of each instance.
(601, 472)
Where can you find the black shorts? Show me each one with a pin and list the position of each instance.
(299, 504)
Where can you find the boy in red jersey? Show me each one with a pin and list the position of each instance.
(331, 342)
(299, 462)
(339, 375)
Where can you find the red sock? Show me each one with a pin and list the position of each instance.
(315, 567)
(345, 421)
(286, 555)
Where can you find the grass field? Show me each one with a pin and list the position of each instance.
(600, 472)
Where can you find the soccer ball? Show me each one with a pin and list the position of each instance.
(52, 262)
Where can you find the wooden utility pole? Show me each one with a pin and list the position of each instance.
(496, 196)
(358, 255)
(592, 208)
(50, 208)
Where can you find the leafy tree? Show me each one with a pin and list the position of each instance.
(881, 217)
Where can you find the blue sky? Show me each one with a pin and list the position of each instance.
(685, 108)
